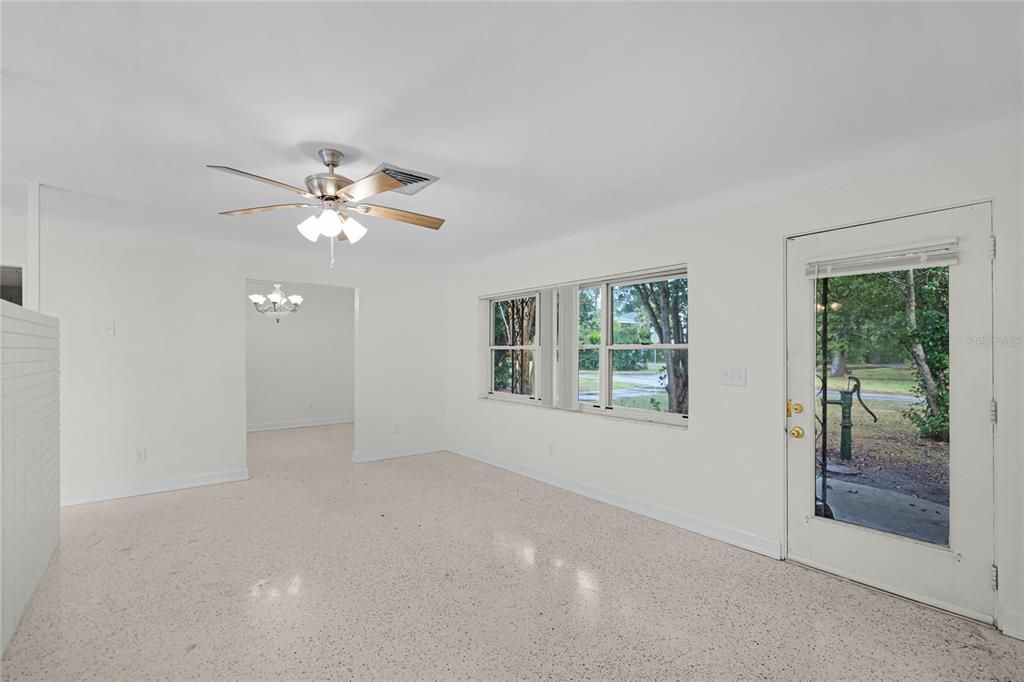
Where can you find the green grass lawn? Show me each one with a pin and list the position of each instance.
(880, 379)
(644, 402)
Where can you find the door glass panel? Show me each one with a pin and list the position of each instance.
(882, 402)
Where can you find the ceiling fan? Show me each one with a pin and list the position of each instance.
(339, 198)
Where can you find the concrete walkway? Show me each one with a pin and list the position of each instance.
(888, 510)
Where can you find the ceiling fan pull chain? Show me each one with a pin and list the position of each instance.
(332, 252)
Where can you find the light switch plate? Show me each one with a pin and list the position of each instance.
(109, 329)
(734, 376)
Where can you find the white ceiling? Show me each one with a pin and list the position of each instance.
(546, 122)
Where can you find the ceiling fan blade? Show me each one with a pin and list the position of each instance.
(259, 178)
(264, 209)
(400, 215)
(368, 186)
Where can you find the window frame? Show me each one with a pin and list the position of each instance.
(557, 345)
(491, 392)
(607, 346)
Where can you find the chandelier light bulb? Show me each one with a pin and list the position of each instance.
(353, 230)
(310, 228)
(330, 223)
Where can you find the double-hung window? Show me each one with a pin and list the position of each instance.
(633, 348)
(616, 347)
(513, 348)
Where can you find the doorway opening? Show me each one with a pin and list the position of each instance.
(299, 365)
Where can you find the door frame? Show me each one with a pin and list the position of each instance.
(784, 393)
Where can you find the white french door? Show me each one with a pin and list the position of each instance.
(890, 411)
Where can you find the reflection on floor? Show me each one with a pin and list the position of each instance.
(888, 510)
(438, 567)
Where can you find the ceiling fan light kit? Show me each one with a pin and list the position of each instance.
(338, 197)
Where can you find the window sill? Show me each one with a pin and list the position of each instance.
(682, 423)
(513, 398)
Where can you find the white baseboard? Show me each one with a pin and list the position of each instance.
(154, 487)
(378, 455)
(1011, 623)
(298, 424)
(712, 529)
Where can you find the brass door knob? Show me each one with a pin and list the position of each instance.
(797, 432)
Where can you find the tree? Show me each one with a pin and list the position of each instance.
(515, 324)
(926, 305)
(665, 304)
(896, 317)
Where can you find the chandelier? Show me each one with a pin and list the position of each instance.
(275, 305)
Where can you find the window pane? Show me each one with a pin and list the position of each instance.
(882, 425)
(589, 381)
(652, 312)
(657, 380)
(513, 371)
(590, 316)
(515, 322)
(10, 284)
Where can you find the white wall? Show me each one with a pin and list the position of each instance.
(14, 220)
(172, 378)
(19, 234)
(300, 371)
(30, 462)
(724, 476)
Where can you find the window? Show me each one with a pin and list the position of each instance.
(632, 355)
(513, 346)
(10, 284)
(618, 347)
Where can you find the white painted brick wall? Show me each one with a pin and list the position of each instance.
(30, 471)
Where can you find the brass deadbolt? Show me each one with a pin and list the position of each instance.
(797, 432)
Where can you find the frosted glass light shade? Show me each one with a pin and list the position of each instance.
(295, 298)
(258, 299)
(353, 230)
(330, 223)
(310, 228)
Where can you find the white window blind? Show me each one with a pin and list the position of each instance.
(906, 258)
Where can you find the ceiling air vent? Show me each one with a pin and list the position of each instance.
(412, 181)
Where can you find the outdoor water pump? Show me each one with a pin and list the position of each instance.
(846, 402)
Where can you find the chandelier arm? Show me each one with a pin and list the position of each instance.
(281, 308)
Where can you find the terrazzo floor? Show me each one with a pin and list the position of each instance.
(438, 567)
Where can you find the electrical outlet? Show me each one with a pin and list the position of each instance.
(733, 376)
(311, 407)
(398, 429)
(140, 456)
